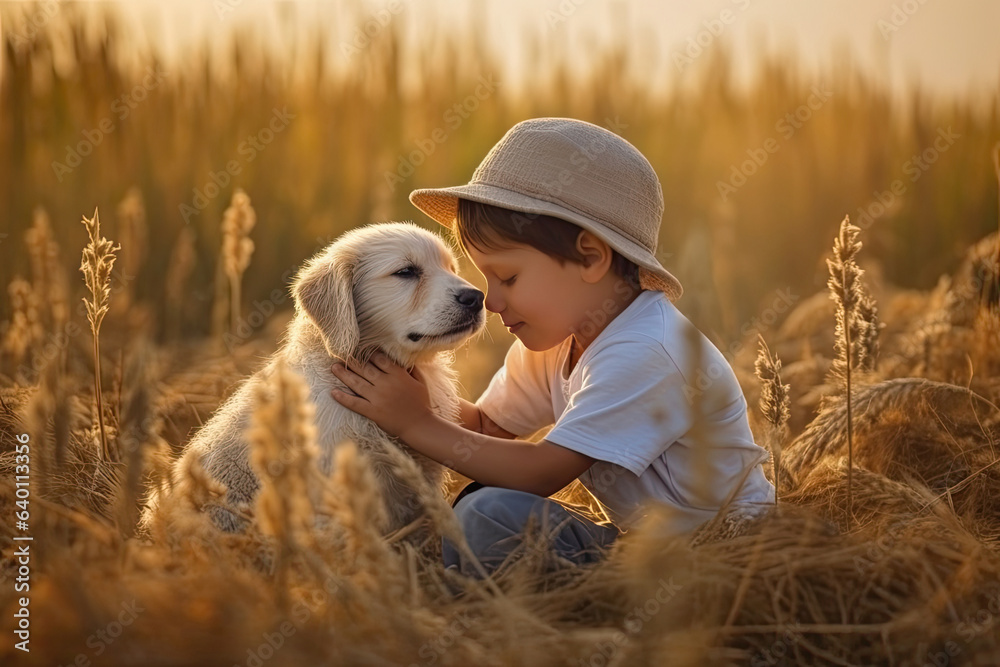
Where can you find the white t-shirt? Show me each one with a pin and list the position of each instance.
(630, 403)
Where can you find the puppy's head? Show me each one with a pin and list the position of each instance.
(390, 286)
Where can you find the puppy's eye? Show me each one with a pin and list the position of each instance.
(408, 272)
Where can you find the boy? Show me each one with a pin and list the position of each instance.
(562, 219)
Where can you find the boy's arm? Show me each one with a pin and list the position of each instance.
(398, 402)
(541, 468)
(474, 420)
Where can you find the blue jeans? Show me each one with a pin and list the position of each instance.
(494, 518)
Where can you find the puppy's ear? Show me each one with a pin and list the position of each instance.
(323, 290)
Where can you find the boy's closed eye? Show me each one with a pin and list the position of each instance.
(508, 281)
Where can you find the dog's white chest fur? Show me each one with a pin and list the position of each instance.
(335, 423)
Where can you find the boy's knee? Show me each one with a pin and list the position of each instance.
(491, 519)
(495, 507)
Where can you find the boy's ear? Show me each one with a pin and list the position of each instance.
(324, 290)
(597, 255)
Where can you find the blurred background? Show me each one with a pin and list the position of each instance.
(767, 122)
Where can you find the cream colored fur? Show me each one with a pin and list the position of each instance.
(348, 304)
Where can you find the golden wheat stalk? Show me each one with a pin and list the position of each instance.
(43, 254)
(861, 338)
(846, 292)
(25, 326)
(283, 453)
(136, 432)
(866, 329)
(48, 276)
(358, 505)
(98, 258)
(996, 170)
(132, 224)
(774, 403)
(237, 248)
(182, 262)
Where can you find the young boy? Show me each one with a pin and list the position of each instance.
(562, 219)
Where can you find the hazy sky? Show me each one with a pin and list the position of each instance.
(951, 46)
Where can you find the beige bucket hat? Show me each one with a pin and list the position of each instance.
(575, 171)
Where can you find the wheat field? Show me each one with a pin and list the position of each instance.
(877, 395)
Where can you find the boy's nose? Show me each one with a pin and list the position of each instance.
(492, 303)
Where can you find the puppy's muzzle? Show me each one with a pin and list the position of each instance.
(471, 300)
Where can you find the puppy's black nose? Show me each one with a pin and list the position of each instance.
(470, 298)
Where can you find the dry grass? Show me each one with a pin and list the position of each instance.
(996, 170)
(905, 571)
(25, 327)
(847, 294)
(47, 273)
(134, 242)
(284, 456)
(98, 259)
(774, 405)
(237, 249)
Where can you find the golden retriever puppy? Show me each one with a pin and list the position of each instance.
(391, 287)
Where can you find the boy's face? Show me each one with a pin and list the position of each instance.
(538, 300)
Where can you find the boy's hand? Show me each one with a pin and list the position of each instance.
(386, 393)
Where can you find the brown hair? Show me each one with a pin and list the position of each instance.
(488, 227)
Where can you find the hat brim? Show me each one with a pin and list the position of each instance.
(441, 204)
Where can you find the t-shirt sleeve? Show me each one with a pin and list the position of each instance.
(519, 397)
(633, 403)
